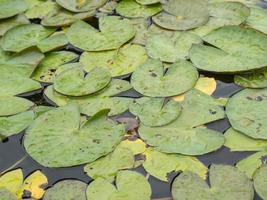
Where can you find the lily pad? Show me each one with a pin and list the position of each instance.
(66, 190)
(39, 11)
(256, 79)
(81, 5)
(9, 23)
(227, 57)
(250, 164)
(84, 142)
(55, 41)
(160, 164)
(13, 105)
(150, 79)
(12, 180)
(257, 19)
(24, 36)
(147, 2)
(11, 8)
(93, 103)
(183, 14)
(237, 141)
(141, 26)
(171, 49)
(45, 72)
(260, 181)
(119, 62)
(155, 111)
(251, 121)
(132, 9)
(75, 82)
(225, 184)
(7, 195)
(184, 134)
(113, 33)
(130, 185)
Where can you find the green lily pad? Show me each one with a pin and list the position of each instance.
(141, 26)
(226, 183)
(260, 182)
(45, 72)
(150, 78)
(11, 8)
(119, 62)
(256, 79)
(84, 142)
(147, 2)
(222, 14)
(15, 124)
(108, 166)
(75, 82)
(237, 49)
(183, 14)
(9, 23)
(171, 49)
(257, 19)
(250, 164)
(14, 80)
(237, 141)
(81, 5)
(252, 120)
(66, 190)
(55, 41)
(39, 110)
(39, 11)
(91, 104)
(155, 111)
(114, 32)
(183, 135)
(67, 66)
(130, 185)
(62, 17)
(24, 36)
(7, 195)
(132, 9)
(14, 105)
(160, 164)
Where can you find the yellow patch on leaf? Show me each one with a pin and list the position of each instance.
(137, 146)
(12, 180)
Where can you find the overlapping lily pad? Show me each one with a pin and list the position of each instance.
(257, 19)
(12, 22)
(75, 82)
(147, 2)
(260, 183)
(225, 184)
(114, 32)
(252, 120)
(84, 142)
(235, 49)
(24, 36)
(11, 8)
(152, 79)
(183, 14)
(41, 10)
(7, 195)
(55, 41)
(119, 62)
(256, 79)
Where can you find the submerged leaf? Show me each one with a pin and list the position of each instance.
(256, 79)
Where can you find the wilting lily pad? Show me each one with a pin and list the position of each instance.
(76, 82)
(13, 105)
(237, 49)
(119, 62)
(250, 164)
(84, 142)
(160, 164)
(257, 19)
(132, 9)
(93, 103)
(256, 79)
(24, 36)
(260, 181)
(7, 195)
(114, 32)
(39, 11)
(130, 185)
(108, 166)
(171, 49)
(45, 72)
(181, 136)
(66, 190)
(226, 183)
(15, 124)
(150, 79)
(237, 141)
(7, 24)
(252, 120)
(155, 111)
(81, 5)
(183, 14)
(55, 41)
(11, 8)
